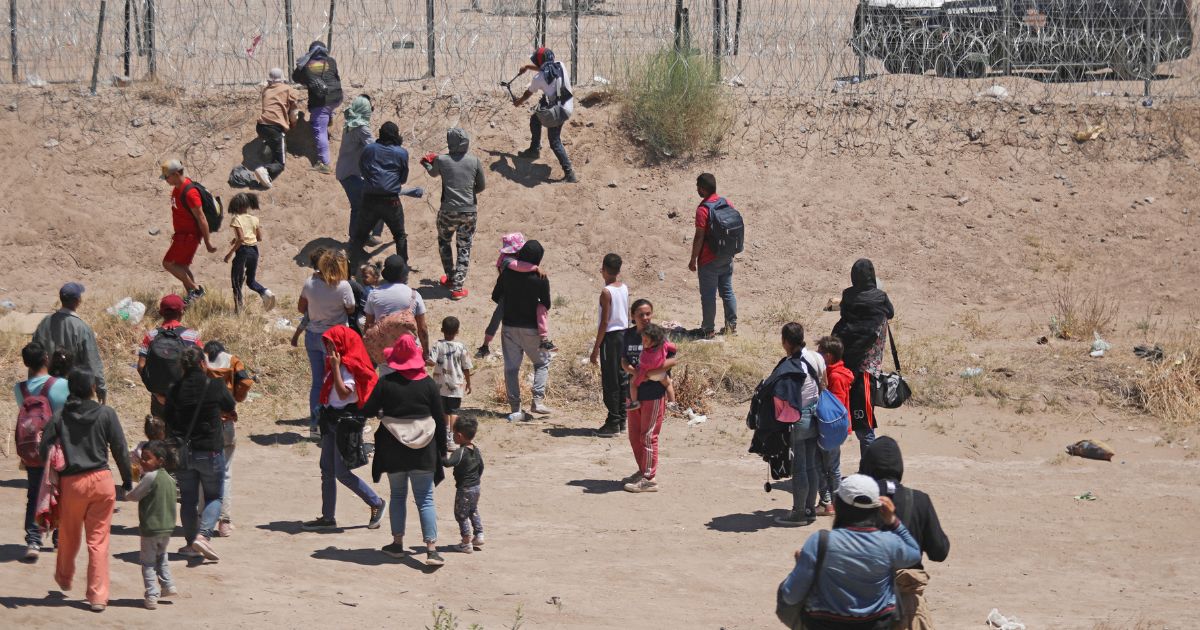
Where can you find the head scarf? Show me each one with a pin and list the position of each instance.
(864, 300)
(531, 252)
(359, 113)
(543, 58)
(405, 358)
(389, 135)
(354, 359)
(316, 50)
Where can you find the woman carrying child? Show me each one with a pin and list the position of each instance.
(510, 246)
(243, 249)
(647, 404)
(349, 378)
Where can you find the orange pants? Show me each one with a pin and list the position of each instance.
(86, 504)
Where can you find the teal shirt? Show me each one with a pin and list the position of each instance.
(57, 395)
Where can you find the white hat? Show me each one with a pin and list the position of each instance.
(860, 491)
(275, 75)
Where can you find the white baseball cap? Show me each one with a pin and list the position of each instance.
(860, 491)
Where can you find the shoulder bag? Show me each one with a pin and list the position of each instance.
(890, 390)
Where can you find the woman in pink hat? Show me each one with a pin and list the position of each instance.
(410, 442)
(510, 246)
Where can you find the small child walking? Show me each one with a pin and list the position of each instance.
(155, 494)
(452, 372)
(840, 379)
(510, 246)
(647, 406)
(243, 249)
(655, 352)
(467, 462)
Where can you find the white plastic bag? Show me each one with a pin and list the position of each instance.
(1000, 622)
(128, 310)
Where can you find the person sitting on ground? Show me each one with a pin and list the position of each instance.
(243, 249)
(863, 329)
(914, 508)
(40, 389)
(280, 108)
(613, 319)
(462, 181)
(510, 245)
(190, 226)
(555, 85)
(452, 370)
(467, 462)
(522, 293)
(852, 589)
(384, 168)
(155, 494)
(65, 332)
(160, 347)
(840, 379)
(193, 412)
(318, 72)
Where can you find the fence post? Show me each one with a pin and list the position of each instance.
(1149, 58)
(540, 24)
(99, 41)
(863, 34)
(150, 17)
(575, 40)
(430, 39)
(12, 36)
(717, 38)
(737, 29)
(127, 26)
(678, 25)
(287, 22)
(329, 35)
(687, 29)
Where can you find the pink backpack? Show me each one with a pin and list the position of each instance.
(32, 419)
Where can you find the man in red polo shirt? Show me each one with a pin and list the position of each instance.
(714, 271)
(190, 226)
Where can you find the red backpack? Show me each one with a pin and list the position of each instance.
(32, 419)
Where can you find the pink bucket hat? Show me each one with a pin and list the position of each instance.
(405, 358)
(512, 243)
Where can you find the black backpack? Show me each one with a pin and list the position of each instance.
(214, 211)
(162, 368)
(726, 231)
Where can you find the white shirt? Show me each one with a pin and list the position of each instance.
(618, 314)
(551, 91)
(812, 390)
(336, 401)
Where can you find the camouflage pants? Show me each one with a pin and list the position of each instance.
(459, 226)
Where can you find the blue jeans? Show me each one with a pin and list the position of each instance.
(805, 481)
(831, 472)
(205, 472)
(422, 487)
(333, 470)
(717, 277)
(865, 438)
(33, 534)
(314, 345)
(320, 117)
(554, 134)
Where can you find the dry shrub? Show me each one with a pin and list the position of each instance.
(691, 392)
(675, 101)
(1169, 389)
(1078, 314)
(932, 366)
(974, 325)
(161, 93)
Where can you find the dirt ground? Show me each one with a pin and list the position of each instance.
(970, 239)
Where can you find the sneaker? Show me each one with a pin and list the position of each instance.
(483, 352)
(31, 554)
(570, 177)
(224, 529)
(642, 485)
(458, 294)
(464, 547)
(323, 168)
(608, 431)
(730, 330)
(532, 153)
(187, 551)
(633, 404)
(634, 478)
(376, 515)
(151, 603)
(433, 559)
(169, 591)
(263, 177)
(540, 408)
(548, 346)
(519, 416)
(477, 541)
(374, 241)
(97, 607)
(825, 509)
(394, 550)
(202, 545)
(624, 427)
(268, 299)
(193, 295)
(319, 524)
(795, 519)
(444, 281)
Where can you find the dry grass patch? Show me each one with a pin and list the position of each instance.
(1079, 313)
(1168, 389)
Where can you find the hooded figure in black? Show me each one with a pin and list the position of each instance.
(866, 310)
(915, 509)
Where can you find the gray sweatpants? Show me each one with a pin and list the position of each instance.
(155, 569)
(516, 344)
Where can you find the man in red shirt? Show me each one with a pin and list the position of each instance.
(190, 226)
(714, 272)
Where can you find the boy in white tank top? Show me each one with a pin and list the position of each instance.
(612, 320)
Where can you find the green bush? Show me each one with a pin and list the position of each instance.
(675, 101)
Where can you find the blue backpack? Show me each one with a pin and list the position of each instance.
(833, 422)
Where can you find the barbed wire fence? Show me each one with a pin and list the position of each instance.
(864, 63)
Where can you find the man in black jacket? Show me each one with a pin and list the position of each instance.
(915, 509)
(522, 293)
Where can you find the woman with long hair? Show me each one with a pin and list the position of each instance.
(326, 301)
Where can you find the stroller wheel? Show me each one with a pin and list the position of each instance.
(766, 486)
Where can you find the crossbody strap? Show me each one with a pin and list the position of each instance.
(892, 342)
(822, 547)
(187, 439)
